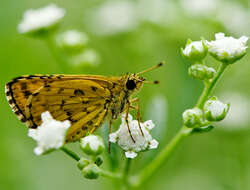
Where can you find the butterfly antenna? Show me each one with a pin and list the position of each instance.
(152, 68)
(152, 82)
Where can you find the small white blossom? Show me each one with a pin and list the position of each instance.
(201, 72)
(130, 154)
(227, 49)
(192, 117)
(41, 19)
(142, 142)
(72, 40)
(50, 134)
(92, 144)
(215, 110)
(194, 51)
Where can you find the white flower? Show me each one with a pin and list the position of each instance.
(50, 134)
(41, 19)
(227, 49)
(215, 110)
(192, 117)
(92, 144)
(142, 142)
(113, 17)
(72, 40)
(194, 51)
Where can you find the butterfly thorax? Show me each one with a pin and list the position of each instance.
(127, 86)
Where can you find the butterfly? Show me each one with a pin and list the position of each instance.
(84, 100)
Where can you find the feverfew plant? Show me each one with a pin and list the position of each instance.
(132, 136)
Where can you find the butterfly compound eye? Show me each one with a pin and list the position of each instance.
(130, 85)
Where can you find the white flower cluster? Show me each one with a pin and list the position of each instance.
(50, 134)
(142, 142)
(227, 49)
(40, 19)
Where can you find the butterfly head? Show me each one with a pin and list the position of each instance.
(134, 82)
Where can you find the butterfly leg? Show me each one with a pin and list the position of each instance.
(110, 130)
(126, 119)
(138, 115)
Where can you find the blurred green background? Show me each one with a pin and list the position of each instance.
(142, 34)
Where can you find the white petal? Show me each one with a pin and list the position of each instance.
(32, 133)
(153, 144)
(38, 151)
(243, 39)
(219, 36)
(46, 116)
(149, 124)
(130, 154)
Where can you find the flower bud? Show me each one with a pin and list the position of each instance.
(92, 145)
(192, 117)
(98, 161)
(91, 171)
(215, 110)
(72, 40)
(82, 163)
(201, 72)
(227, 49)
(195, 51)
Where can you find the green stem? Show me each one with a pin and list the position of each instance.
(60, 60)
(126, 168)
(210, 86)
(110, 175)
(184, 132)
(146, 173)
(70, 153)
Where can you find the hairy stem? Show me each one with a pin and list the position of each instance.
(184, 132)
(210, 86)
(70, 153)
(149, 170)
(110, 175)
